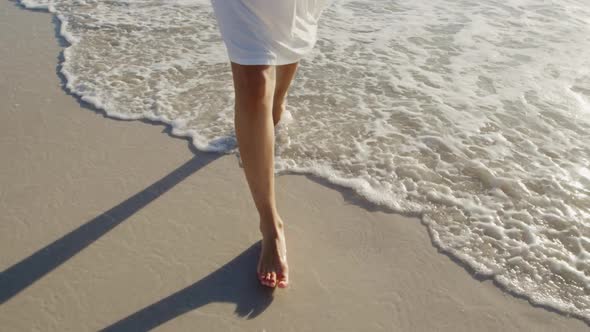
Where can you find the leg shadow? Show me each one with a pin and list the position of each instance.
(24, 273)
(235, 282)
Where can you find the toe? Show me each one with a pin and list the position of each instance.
(266, 280)
(262, 277)
(273, 279)
(282, 280)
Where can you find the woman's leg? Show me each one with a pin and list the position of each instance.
(284, 77)
(254, 92)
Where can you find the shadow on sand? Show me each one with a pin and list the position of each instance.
(220, 286)
(235, 282)
(24, 273)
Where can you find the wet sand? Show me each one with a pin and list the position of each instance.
(117, 225)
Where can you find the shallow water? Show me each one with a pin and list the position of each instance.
(473, 114)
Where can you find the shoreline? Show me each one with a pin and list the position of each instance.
(80, 192)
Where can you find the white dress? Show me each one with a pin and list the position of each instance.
(268, 32)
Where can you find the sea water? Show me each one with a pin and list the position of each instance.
(474, 115)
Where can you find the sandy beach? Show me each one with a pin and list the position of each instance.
(118, 225)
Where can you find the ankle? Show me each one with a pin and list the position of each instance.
(272, 227)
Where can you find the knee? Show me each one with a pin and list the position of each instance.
(253, 83)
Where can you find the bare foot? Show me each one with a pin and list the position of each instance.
(272, 264)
